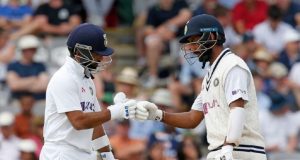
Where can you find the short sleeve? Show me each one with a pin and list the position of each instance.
(66, 95)
(198, 105)
(151, 18)
(236, 84)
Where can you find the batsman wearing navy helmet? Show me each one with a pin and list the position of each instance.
(73, 119)
(227, 100)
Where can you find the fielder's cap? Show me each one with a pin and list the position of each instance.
(6, 119)
(129, 76)
(27, 145)
(162, 96)
(278, 70)
(28, 41)
(262, 55)
(291, 36)
(90, 35)
(200, 24)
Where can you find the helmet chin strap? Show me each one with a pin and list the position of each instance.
(205, 57)
(87, 73)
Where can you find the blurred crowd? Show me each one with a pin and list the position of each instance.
(265, 33)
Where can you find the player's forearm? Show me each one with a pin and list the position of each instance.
(100, 140)
(98, 132)
(91, 119)
(183, 120)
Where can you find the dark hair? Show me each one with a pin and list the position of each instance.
(275, 13)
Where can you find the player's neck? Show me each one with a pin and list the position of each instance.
(215, 53)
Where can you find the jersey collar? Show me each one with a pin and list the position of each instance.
(221, 55)
(215, 65)
(79, 70)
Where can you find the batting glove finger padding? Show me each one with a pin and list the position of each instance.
(141, 113)
(130, 107)
(120, 97)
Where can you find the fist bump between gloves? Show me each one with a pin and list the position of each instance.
(132, 109)
(148, 111)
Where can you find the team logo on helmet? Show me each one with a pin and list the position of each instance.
(105, 40)
(186, 28)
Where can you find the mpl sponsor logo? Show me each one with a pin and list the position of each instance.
(210, 105)
(234, 92)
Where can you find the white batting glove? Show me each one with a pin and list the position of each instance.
(147, 110)
(123, 107)
(226, 153)
(107, 156)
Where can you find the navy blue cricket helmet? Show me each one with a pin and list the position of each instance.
(90, 35)
(209, 32)
(86, 39)
(200, 24)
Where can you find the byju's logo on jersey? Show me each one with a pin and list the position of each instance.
(87, 106)
(210, 105)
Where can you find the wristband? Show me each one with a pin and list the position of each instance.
(114, 111)
(100, 142)
(237, 118)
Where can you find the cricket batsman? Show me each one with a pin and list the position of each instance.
(227, 100)
(73, 119)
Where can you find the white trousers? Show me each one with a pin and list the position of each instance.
(239, 155)
(51, 151)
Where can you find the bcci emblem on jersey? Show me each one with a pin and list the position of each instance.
(216, 82)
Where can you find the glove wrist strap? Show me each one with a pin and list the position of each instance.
(159, 115)
(100, 142)
(107, 156)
